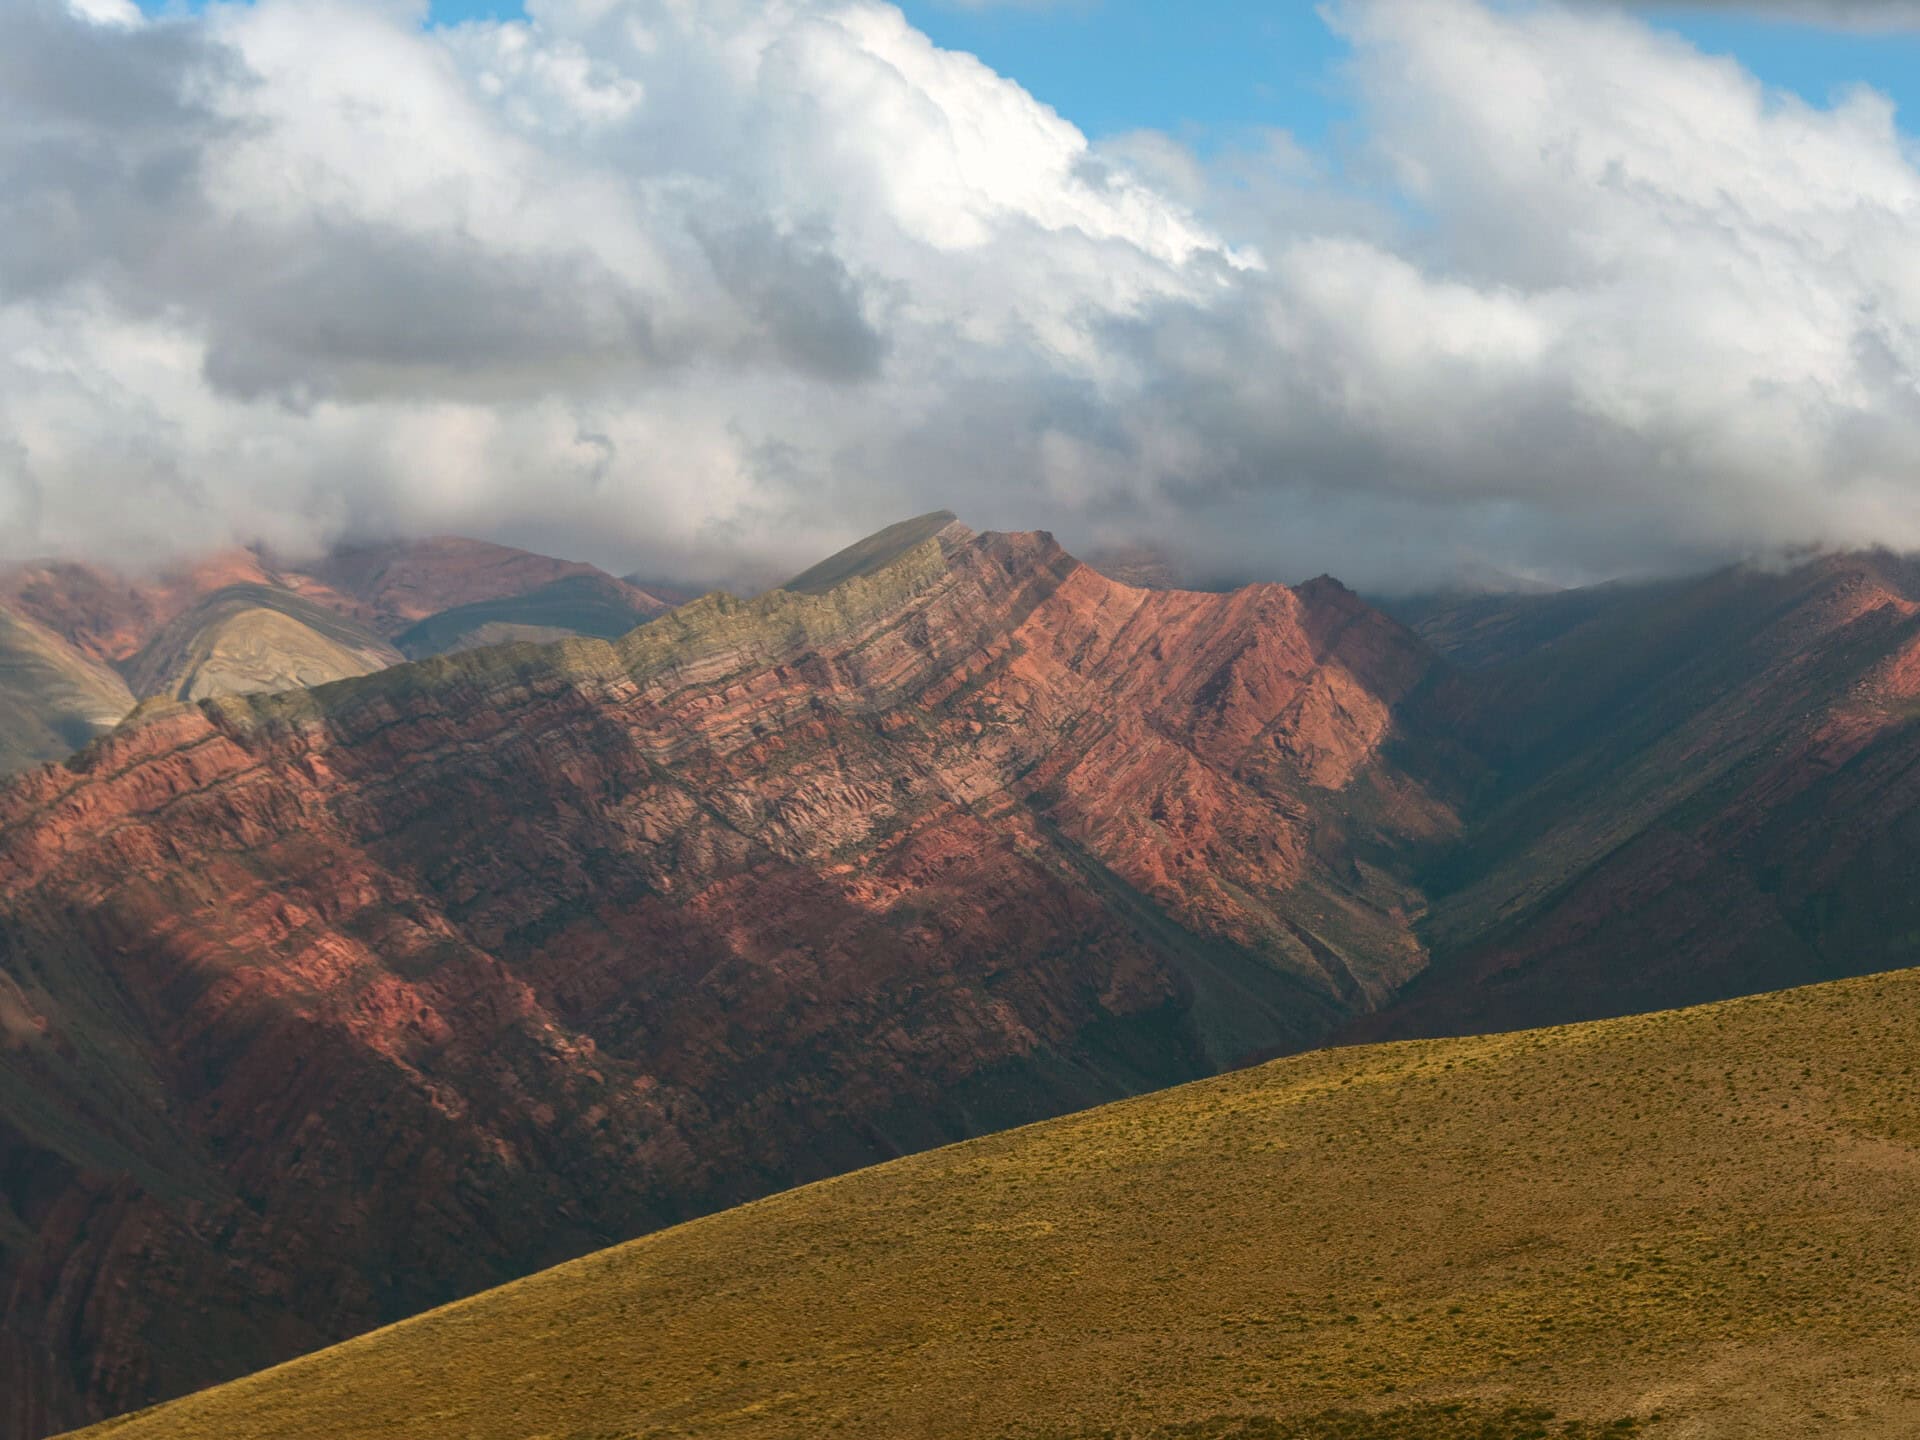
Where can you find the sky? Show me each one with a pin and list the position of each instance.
(1396, 289)
(1206, 69)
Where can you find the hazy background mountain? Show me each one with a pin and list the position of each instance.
(53, 699)
(84, 643)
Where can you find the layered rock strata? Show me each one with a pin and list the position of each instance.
(319, 1008)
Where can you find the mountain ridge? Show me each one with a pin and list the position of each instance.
(53, 700)
(596, 935)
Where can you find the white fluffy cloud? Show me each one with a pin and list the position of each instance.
(665, 284)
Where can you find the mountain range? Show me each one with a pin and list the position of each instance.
(1693, 790)
(81, 645)
(320, 1006)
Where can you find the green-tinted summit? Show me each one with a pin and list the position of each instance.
(874, 553)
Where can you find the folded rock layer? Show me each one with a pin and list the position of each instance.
(317, 1009)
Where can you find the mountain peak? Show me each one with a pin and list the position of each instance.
(875, 552)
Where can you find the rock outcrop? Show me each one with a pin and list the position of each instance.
(320, 1008)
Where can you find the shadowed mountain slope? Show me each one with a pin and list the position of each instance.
(335, 1004)
(1695, 790)
(596, 606)
(1475, 630)
(1697, 1220)
(407, 582)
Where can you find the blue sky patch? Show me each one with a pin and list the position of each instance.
(1210, 70)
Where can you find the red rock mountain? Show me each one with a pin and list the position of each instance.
(318, 1008)
(109, 616)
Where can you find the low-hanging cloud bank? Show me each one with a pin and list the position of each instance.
(668, 285)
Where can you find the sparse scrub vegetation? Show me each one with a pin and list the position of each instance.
(1456, 1421)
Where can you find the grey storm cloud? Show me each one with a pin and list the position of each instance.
(101, 136)
(686, 288)
(376, 311)
(807, 308)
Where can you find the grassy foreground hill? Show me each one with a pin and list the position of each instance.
(1698, 1224)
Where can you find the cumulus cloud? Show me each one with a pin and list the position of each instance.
(678, 287)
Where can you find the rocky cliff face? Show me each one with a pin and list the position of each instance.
(316, 1009)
